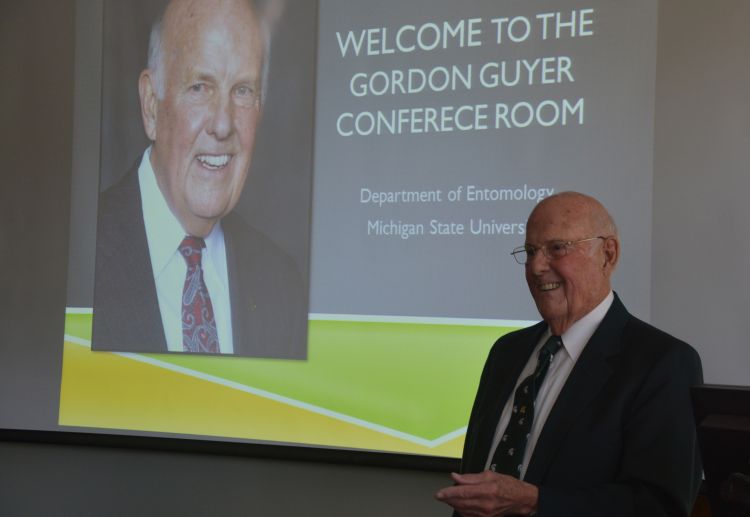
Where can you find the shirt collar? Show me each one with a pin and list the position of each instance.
(163, 230)
(575, 338)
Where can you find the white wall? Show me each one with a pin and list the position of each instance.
(701, 238)
(52, 480)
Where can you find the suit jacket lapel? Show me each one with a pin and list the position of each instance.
(238, 304)
(586, 379)
(126, 308)
(499, 387)
(138, 289)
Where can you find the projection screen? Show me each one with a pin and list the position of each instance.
(401, 147)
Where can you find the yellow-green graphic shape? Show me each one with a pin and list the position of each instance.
(396, 387)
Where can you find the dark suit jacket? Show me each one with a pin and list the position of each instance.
(267, 294)
(620, 439)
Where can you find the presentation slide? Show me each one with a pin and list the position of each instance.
(399, 147)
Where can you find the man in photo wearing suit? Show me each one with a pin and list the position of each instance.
(176, 270)
(587, 413)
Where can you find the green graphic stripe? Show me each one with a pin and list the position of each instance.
(415, 378)
(78, 325)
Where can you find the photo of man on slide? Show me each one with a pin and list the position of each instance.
(176, 269)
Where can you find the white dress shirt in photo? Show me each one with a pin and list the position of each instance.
(164, 234)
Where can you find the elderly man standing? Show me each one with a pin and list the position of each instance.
(176, 270)
(587, 413)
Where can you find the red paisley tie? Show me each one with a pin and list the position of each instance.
(198, 324)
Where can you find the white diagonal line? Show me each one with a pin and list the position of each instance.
(279, 398)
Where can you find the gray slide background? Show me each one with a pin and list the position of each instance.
(610, 157)
(700, 206)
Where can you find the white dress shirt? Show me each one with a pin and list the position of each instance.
(574, 340)
(164, 234)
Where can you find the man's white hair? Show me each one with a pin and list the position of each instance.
(266, 11)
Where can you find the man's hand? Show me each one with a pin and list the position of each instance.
(489, 495)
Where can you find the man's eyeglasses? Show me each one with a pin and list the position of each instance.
(553, 250)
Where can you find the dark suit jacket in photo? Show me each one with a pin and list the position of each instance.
(620, 439)
(267, 294)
